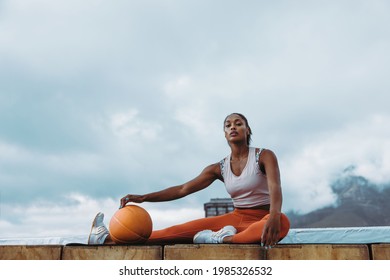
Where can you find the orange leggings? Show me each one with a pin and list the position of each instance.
(248, 222)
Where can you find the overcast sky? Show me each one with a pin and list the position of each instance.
(99, 99)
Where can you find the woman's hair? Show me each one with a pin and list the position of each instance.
(249, 139)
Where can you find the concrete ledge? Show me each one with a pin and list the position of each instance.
(112, 253)
(214, 252)
(197, 252)
(34, 252)
(380, 251)
(319, 252)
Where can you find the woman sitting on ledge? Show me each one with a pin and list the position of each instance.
(251, 177)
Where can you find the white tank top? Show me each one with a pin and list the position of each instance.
(250, 189)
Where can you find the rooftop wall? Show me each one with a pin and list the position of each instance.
(198, 252)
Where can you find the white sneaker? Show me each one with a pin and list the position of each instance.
(99, 231)
(209, 236)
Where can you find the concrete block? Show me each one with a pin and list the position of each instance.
(380, 251)
(319, 252)
(115, 252)
(30, 252)
(214, 252)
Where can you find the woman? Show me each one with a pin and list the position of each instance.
(251, 176)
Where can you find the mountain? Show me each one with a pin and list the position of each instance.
(360, 203)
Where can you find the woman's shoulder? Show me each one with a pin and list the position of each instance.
(264, 154)
(216, 169)
(262, 150)
(213, 168)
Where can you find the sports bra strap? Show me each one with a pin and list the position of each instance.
(258, 152)
(222, 166)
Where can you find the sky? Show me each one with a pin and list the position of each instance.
(99, 99)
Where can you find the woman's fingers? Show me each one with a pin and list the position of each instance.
(130, 198)
(124, 201)
(269, 237)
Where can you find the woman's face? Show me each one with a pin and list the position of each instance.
(235, 129)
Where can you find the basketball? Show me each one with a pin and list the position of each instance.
(130, 225)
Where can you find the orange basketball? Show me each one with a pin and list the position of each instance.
(130, 225)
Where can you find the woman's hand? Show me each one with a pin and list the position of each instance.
(271, 232)
(130, 198)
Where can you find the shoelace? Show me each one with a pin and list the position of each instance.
(100, 229)
(217, 234)
(102, 232)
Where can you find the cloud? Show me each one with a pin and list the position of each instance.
(73, 216)
(27, 173)
(126, 124)
(103, 100)
(309, 171)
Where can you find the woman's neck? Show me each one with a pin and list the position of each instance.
(239, 151)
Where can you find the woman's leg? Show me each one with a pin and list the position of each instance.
(184, 233)
(252, 234)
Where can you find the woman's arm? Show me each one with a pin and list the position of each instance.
(270, 235)
(203, 180)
